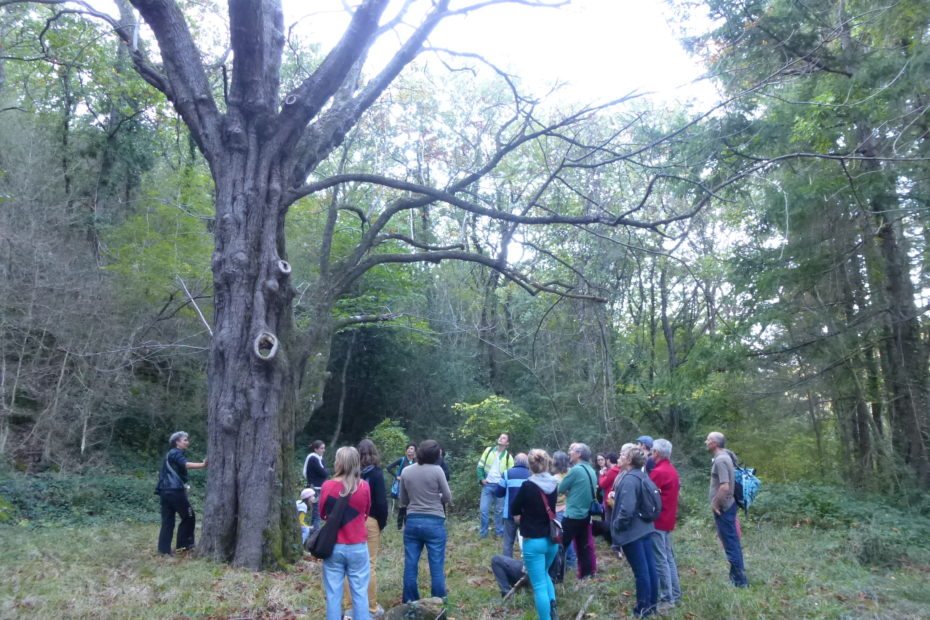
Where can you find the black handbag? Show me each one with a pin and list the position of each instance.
(321, 542)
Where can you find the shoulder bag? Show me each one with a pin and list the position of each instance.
(555, 526)
(322, 541)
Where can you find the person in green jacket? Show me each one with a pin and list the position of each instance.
(579, 487)
(494, 461)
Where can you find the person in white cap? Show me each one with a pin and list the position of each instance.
(307, 497)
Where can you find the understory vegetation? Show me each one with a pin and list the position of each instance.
(85, 548)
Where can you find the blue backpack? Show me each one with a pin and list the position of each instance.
(746, 484)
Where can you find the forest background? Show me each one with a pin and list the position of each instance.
(774, 284)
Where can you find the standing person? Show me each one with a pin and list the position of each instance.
(631, 533)
(579, 487)
(494, 461)
(724, 506)
(645, 444)
(409, 458)
(507, 488)
(425, 493)
(369, 461)
(316, 474)
(535, 506)
(600, 463)
(172, 489)
(667, 480)
(350, 554)
(606, 484)
(560, 465)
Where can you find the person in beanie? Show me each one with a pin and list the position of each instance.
(645, 444)
(307, 498)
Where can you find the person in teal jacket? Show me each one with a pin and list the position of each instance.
(580, 487)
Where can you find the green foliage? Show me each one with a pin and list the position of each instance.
(55, 500)
(482, 423)
(390, 438)
(876, 532)
(167, 240)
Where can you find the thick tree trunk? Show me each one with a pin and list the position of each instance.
(251, 409)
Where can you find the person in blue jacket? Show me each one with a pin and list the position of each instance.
(507, 488)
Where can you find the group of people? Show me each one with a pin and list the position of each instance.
(545, 502)
(422, 490)
(536, 489)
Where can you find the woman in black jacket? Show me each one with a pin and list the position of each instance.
(172, 488)
(409, 458)
(534, 506)
(377, 519)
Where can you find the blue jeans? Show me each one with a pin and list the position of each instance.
(490, 501)
(428, 530)
(347, 561)
(726, 530)
(639, 554)
(510, 537)
(666, 567)
(538, 555)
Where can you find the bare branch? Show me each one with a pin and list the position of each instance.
(518, 278)
(360, 319)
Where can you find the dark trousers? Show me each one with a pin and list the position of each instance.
(579, 532)
(401, 517)
(726, 530)
(176, 502)
(642, 560)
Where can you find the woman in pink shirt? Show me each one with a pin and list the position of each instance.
(350, 555)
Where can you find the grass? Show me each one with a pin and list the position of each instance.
(112, 571)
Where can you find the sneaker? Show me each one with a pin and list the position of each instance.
(378, 613)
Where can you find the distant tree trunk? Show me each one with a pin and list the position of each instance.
(342, 388)
(903, 353)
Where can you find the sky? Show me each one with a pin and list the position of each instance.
(600, 49)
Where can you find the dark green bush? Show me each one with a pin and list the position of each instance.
(878, 533)
(55, 499)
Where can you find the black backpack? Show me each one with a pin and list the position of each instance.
(650, 499)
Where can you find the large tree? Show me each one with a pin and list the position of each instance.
(266, 145)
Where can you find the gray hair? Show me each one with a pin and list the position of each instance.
(176, 437)
(560, 462)
(718, 439)
(663, 448)
(584, 452)
(521, 460)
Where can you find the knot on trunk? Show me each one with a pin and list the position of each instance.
(284, 268)
(265, 346)
(234, 135)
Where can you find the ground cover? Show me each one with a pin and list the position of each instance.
(111, 571)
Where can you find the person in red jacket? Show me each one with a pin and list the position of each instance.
(350, 555)
(665, 476)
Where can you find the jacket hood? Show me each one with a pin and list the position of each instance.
(545, 481)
